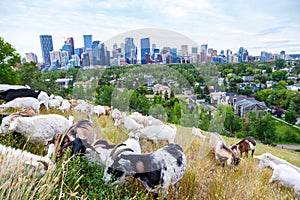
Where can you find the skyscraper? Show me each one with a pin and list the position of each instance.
(68, 48)
(95, 53)
(145, 48)
(87, 40)
(203, 52)
(46, 46)
(129, 50)
(70, 40)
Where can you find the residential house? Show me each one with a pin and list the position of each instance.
(295, 87)
(242, 107)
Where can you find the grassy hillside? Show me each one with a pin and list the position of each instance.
(204, 179)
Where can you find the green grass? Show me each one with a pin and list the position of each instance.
(287, 134)
(77, 179)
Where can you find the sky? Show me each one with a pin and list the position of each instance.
(257, 25)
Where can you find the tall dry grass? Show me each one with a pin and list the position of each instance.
(204, 179)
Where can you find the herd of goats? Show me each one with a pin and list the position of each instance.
(156, 170)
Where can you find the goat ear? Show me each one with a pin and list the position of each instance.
(254, 156)
(12, 126)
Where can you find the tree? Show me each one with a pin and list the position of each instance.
(8, 60)
(279, 63)
(290, 116)
(166, 95)
(103, 95)
(262, 127)
(28, 75)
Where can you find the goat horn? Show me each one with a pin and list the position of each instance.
(114, 156)
(114, 149)
(44, 163)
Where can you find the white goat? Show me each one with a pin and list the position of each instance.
(197, 132)
(266, 158)
(139, 118)
(65, 106)
(38, 129)
(153, 121)
(22, 102)
(13, 159)
(53, 103)
(165, 132)
(287, 176)
(99, 110)
(59, 98)
(129, 123)
(44, 99)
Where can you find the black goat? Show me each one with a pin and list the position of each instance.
(12, 94)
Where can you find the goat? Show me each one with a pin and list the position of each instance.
(107, 110)
(65, 106)
(223, 153)
(129, 123)
(157, 171)
(287, 176)
(83, 130)
(140, 119)
(22, 102)
(129, 146)
(12, 94)
(155, 133)
(11, 158)
(99, 110)
(39, 128)
(99, 152)
(116, 114)
(4, 87)
(245, 145)
(26, 112)
(197, 132)
(153, 121)
(266, 158)
(44, 99)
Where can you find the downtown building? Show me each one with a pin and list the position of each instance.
(46, 47)
(145, 49)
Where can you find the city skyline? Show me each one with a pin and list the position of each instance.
(256, 25)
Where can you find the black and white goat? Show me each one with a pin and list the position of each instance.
(79, 137)
(12, 94)
(157, 171)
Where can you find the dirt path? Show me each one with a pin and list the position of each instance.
(288, 146)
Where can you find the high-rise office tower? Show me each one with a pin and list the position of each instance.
(87, 41)
(129, 49)
(70, 40)
(145, 48)
(46, 46)
(203, 52)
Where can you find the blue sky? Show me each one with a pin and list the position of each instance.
(257, 25)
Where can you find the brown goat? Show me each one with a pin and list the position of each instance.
(245, 145)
